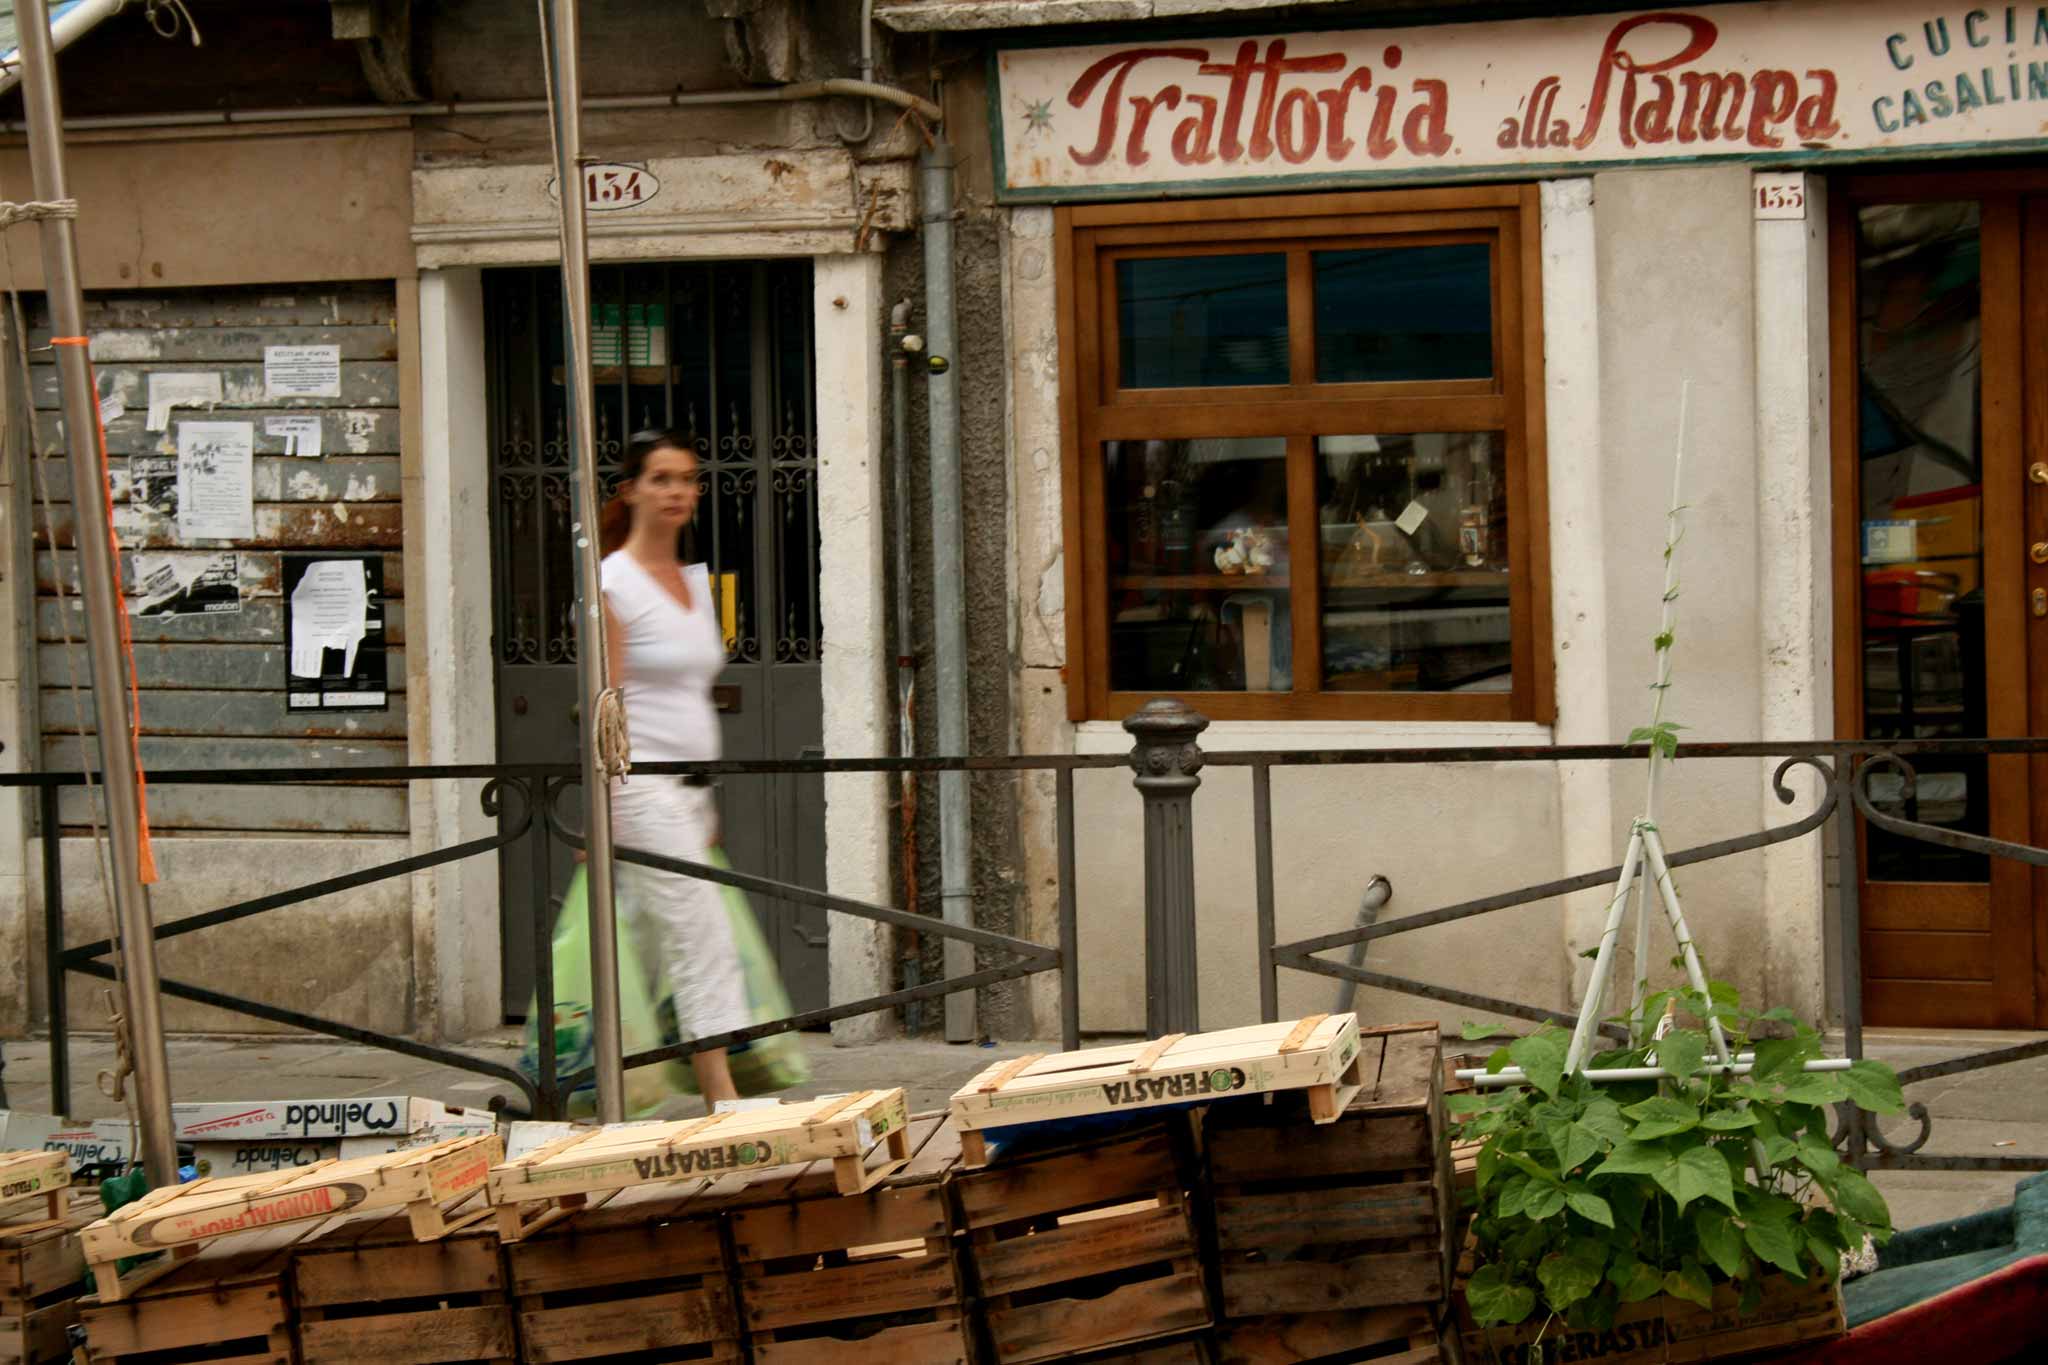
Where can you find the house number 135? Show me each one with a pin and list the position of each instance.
(1780, 196)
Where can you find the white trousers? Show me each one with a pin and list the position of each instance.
(679, 922)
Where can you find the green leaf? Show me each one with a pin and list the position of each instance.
(1720, 1239)
(1874, 1086)
(1513, 1197)
(1824, 1253)
(1633, 1158)
(1681, 1051)
(1778, 1061)
(1690, 1283)
(1468, 1104)
(1603, 1119)
(1817, 1088)
(1541, 1057)
(1818, 1156)
(1590, 953)
(1857, 1197)
(1776, 1242)
(1662, 641)
(1780, 1014)
(1489, 1162)
(1752, 1297)
(1589, 1206)
(1544, 1201)
(1728, 1120)
(1661, 1116)
(1698, 1173)
(1633, 1280)
(1566, 1279)
(1475, 1032)
(1722, 993)
(1495, 1299)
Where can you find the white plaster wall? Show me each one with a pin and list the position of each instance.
(457, 914)
(1333, 829)
(849, 325)
(1676, 301)
(1793, 495)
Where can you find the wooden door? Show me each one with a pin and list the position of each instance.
(1940, 313)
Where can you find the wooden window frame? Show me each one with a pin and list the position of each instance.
(1094, 408)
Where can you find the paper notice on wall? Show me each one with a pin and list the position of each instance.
(330, 610)
(111, 410)
(1412, 516)
(302, 371)
(167, 391)
(153, 483)
(187, 585)
(301, 434)
(216, 480)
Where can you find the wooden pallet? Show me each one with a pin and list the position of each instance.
(1356, 1214)
(35, 1189)
(1087, 1247)
(228, 1302)
(426, 1182)
(1317, 1055)
(634, 1275)
(368, 1290)
(548, 1184)
(875, 1274)
(42, 1275)
(1668, 1331)
(1403, 1335)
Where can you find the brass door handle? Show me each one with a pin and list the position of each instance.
(2038, 552)
(2040, 596)
(2037, 472)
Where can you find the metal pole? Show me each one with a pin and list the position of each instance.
(1070, 914)
(1262, 876)
(53, 953)
(1849, 878)
(1168, 760)
(565, 96)
(949, 573)
(103, 604)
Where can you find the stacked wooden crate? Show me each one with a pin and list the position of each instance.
(873, 1275)
(42, 1275)
(1334, 1239)
(227, 1302)
(367, 1290)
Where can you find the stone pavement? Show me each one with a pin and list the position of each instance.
(1999, 1112)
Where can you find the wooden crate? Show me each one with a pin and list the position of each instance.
(1317, 1055)
(1086, 1247)
(1404, 1335)
(877, 1274)
(1668, 1331)
(554, 1181)
(368, 1290)
(35, 1188)
(425, 1182)
(228, 1302)
(636, 1275)
(42, 1275)
(1332, 1218)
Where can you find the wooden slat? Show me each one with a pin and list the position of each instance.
(1331, 1214)
(1091, 1246)
(1302, 1031)
(575, 1258)
(274, 477)
(945, 1342)
(1348, 1147)
(1931, 1004)
(1096, 1175)
(1904, 955)
(292, 526)
(170, 666)
(281, 809)
(423, 1338)
(242, 714)
(867, 1289)
(62, 753)
(261, 571)
(1001, 1075)
(355, 1273)
(344, 432)
(833, 1223)
(209, 343)
(364, 384)
(322, 305)
(260, 621)
(1319, 1286)
(1060, 1327)
(1935, 907)
(681, 1318)
(1298, 1337)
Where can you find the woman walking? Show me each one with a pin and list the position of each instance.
(666, 648)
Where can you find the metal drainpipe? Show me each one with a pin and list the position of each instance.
(949, 571)
(901, 345)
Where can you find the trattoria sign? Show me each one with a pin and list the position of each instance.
(1778, 81)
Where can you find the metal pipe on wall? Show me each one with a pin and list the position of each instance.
(565, 82)
(949, 573)
(900, 348)
(103, 604)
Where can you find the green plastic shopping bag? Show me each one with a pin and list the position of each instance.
(764, 1065)
(640, 1022)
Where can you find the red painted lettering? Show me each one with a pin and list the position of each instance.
(1298, 126)
(1616, 59)
(1772, 97)
(1117, 69)
(1336, 104)
(1424, 132)
(1194, 142)
(1141, 120)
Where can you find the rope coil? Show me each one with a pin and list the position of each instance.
(36, 210)
(614, 743)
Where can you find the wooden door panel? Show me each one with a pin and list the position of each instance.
(1938, 907)
(2034, 493)
(1908, 955)
(1931, 1004)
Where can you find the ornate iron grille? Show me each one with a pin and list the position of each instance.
(721, 350)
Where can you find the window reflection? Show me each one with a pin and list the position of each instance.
(1202, 321)
(1404, 313)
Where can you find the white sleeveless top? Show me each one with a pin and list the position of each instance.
(672, 657)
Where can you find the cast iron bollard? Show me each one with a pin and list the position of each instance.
(1167, 760)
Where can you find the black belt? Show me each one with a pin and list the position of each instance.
(696, 780)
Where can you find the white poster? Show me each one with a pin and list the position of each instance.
(216, 471)
(301, 434)
(153, 483)
(330, 610)
(167, 391)
(1784, 82)
(302, 371)
(186, 585)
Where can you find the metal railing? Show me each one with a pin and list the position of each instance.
(1167, 761)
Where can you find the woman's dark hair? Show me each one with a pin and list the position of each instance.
(615, 519)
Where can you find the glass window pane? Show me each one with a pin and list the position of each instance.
(1414, 562)
(1202, 321)
(1918, 300)
(1198, 598)
(1404, 313)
